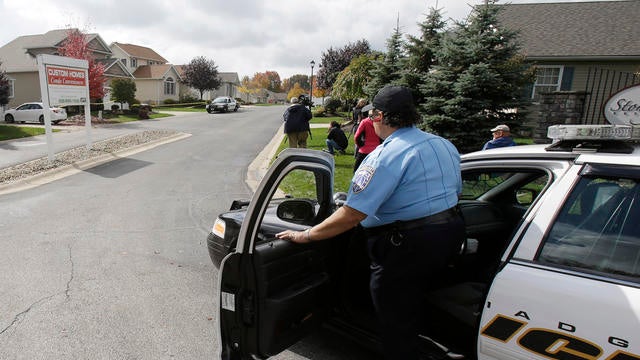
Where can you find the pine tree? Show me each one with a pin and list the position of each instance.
(421, 52)
(477, 81)
(389, 67)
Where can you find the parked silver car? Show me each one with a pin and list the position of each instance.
(34, 112)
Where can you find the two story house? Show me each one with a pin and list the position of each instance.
(156, 80)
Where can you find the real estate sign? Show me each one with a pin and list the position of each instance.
(63, 81)
(623, 107)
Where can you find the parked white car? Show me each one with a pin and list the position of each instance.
(34, 112)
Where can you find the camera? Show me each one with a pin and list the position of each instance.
(305, 100)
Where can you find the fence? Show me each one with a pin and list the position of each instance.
(601, 84)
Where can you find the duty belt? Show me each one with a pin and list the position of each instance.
(440, 218)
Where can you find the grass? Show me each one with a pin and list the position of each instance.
(8, 132)
(343, 166)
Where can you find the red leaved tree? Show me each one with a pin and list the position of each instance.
(76, 46)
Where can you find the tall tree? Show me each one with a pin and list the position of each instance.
(387, 69)
(335, 60)
(274, 81)
(421, 50)
(76, 45)
(301, 80)
(296, 91)
(477, 81)
(4, 87)
(350, 83)
(202, 74)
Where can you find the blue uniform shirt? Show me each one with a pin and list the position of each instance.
(412, 174)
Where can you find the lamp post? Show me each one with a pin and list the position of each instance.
(313, 63)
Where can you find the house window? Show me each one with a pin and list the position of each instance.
(169, 86)
(11, 88)
(124, 62)
(134, 62)
(548, 79)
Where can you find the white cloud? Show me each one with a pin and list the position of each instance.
(245, 36)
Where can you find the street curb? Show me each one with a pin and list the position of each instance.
(258, 168)
(78, 166)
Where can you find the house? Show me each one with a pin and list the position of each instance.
(585, 50)
(156, 80)
(18, 59)
(229, 86)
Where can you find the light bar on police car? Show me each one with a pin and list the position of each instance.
(593, 132)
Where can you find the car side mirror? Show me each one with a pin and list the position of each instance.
(525, 196)
(299, 211)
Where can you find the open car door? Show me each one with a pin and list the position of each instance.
(274, 292)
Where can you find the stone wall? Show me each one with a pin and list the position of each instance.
(556, 108)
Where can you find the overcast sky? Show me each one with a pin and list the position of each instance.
(243, 36)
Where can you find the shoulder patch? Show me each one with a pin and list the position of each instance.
(362, 178)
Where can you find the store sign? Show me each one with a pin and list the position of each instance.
(623, 107)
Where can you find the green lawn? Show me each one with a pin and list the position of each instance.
(8, 132)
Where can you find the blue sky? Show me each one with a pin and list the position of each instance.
(243, 36)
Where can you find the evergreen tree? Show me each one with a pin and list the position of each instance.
(477, 81)
(335, 60)
(388, 68)
(421, 52)
(123, 91)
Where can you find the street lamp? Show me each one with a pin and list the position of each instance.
(313, 63)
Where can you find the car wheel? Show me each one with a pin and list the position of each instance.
(235, 109)
(56, 122)
(209, 111)
(9, 118)
(41, 119)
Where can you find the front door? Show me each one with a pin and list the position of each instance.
(273, 292)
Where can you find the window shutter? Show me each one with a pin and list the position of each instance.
(567, 78)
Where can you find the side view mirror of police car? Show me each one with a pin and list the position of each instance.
(299, 211)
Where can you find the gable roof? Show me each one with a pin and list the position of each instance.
(595, 30)
(113, 68)
(140, 52)
(155, 71)
(19, 55)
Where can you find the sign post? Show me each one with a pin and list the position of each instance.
(63, 81)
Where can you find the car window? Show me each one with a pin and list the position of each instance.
(525, 185)
(597, 229)
(23, 107)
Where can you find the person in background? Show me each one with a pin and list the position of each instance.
(336, 139)
(501, 138)
(366, 138)
(296, 124)
(405, 196)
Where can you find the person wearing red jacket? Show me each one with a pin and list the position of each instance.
(365, 137)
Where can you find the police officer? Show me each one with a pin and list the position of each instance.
(404, 194)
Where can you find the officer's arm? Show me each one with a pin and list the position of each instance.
(345, 218)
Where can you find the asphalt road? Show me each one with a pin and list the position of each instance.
(111, 263)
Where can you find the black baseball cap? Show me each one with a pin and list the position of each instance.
(393, 99)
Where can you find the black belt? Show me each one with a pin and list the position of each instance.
(442, 217)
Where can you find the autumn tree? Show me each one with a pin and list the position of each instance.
(202, 74)
(76, 45)
(335, 60)
(296, 91)
(4, 87)
(302, 80)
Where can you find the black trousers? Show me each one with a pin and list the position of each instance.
(404, 263)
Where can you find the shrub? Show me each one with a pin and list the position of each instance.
(332, 105)
(188, 98)
(115, 107)
(319, 111)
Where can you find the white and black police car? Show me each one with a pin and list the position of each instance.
(550, 268)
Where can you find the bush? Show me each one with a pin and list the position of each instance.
(319, 111)
(332, 105)
(189, 98)
(115, 107)
(143, 113)
(169, 102)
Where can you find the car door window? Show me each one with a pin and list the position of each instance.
(597, 229)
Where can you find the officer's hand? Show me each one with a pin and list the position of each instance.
(293, 236)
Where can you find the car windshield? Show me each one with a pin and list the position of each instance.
(220, 100)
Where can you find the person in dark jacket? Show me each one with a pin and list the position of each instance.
(336, 139)
(296, 124)
(501, 138)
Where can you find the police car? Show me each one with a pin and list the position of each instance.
(550, 268)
